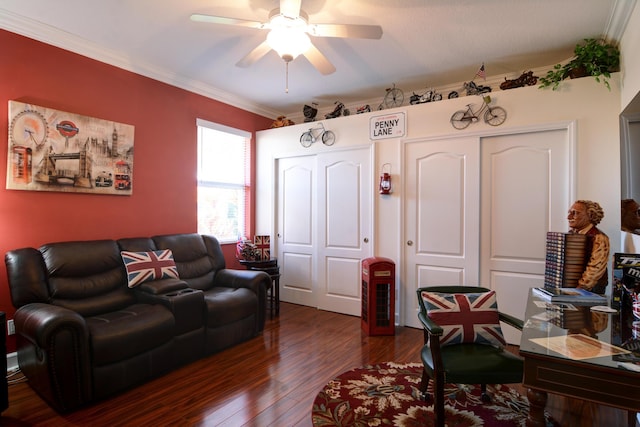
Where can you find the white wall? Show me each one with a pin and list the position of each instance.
(630, 59)
(590, 104)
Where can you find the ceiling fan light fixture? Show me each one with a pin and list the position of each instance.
(288, 42)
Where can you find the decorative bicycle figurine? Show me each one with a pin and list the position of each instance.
(309, 137)
(494, 116)
(393, 98)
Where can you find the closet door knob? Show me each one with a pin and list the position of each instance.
(409, 242)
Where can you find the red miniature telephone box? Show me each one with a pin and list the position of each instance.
(378, 296)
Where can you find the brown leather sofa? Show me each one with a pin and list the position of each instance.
(83, 334)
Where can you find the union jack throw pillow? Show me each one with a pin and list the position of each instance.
(147, 266)
(465, 318)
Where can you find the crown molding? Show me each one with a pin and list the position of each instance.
(55, 37)
(618, 20)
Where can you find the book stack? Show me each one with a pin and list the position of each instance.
(565, 259)
(569, 317)
(569, 295)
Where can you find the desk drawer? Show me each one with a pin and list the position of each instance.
(613, 387)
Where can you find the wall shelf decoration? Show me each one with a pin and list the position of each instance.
(52, 150)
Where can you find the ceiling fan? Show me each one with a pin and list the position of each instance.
(289, 31)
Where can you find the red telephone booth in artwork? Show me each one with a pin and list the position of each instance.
(21, 164)
(378, 296)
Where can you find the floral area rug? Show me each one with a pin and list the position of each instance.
(387, 395)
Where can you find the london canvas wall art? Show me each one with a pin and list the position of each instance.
(52, 150)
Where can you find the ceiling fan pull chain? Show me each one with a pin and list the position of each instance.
(286, 74)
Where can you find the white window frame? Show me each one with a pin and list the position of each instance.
(243, 226)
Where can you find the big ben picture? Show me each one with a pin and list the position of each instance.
(52, 150)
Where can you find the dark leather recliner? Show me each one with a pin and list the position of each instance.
(83, 334)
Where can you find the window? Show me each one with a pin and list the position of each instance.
(223, 181)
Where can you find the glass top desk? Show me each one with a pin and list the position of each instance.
(573, 351)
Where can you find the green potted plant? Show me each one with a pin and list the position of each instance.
(594, 57)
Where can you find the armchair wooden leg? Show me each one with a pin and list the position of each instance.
(484, 396)
(438, 401)
(424, 385)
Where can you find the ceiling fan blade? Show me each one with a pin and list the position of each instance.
(290, 8)
(211, 19)
(257, 53)
(319, 61)
(346, 30)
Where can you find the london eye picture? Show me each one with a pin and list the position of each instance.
(52, 150)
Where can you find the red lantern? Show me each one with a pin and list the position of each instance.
(385, 180)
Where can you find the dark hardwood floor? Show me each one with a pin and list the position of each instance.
(271, 380)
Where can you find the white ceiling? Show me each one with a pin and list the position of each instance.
(425, 43)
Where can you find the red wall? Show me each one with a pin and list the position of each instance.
(164, 192)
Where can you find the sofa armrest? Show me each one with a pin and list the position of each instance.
(257, 281)
(54, 354)
(39, 323)
(161, 286)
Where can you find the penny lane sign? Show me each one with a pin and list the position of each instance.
(387, 126)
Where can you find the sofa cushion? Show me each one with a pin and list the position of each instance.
(147, 266)
(228, 305)
(136, 244)
(125, 333)
(465, 317)
(192, 258)
(86, 276)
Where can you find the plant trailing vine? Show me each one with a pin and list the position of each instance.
(595, 57)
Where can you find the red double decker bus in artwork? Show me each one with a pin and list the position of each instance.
(123, 176)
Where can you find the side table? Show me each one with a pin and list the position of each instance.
(273, 270)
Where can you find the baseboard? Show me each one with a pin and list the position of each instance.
(12, 362)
